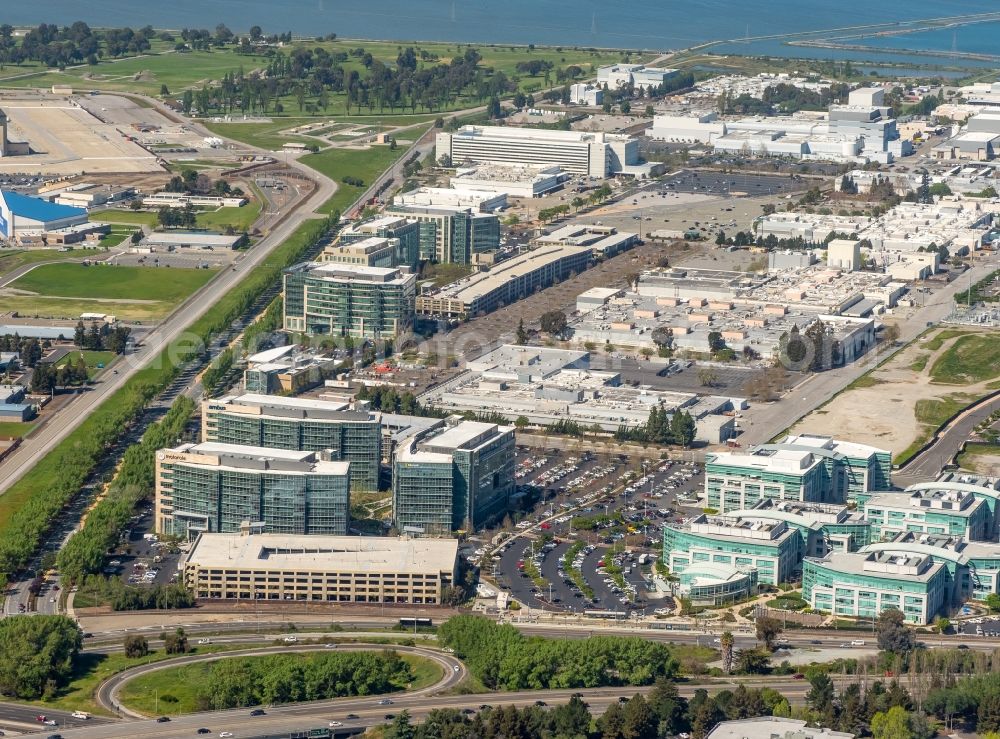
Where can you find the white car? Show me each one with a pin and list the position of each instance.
(82, 715)
(291, 639)
(334, 724)
(224, 734)
(204, 641)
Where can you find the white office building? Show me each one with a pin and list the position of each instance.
(616, 76)
(579, 152)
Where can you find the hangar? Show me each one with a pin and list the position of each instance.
(21, 215)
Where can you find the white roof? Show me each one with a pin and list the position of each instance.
(769, 727)
(325, 553)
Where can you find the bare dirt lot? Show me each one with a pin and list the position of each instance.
(898, 405)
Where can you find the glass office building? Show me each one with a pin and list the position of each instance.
(452, 234)
(863, 584)
(299, 424)
(738, 481)
(770, 548)
(459, 479)
(214, 487)
(404, 231)
(331, 299)
(929, 511)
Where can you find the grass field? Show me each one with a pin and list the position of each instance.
(92, 359)
(366, 164)
(967, 459)
(128, 217)
(184, 686)
(973, 358)
(12, 430)
(11, 259)
(240, 219)
(268, 135)
(113, 282)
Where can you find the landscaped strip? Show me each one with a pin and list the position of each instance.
(29, 506)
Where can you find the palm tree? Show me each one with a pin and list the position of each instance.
(727, 641)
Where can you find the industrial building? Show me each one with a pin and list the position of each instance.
(518, 181)
(10, 148)
(404, 233)
(331, 299)
(215, 487)
(287, 369)
(329, 569)
(13, 408)
(582, 153)
(181, 200)
(170, 240)
(550, 385)
(301, 424)
(452, 234)
(505, 283)
(22, 216)
(459, 479)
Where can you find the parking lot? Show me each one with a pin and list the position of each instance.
(608, 513)
(142, 559)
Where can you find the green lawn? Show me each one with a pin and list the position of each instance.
(13, 430)
(91, 358)
(183, 686)
(366, 164)
(114, 282)
(442, 274)
(972, 358)
(129, 217)
(241, 219)
(11, 259)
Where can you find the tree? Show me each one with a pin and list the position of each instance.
(942, 625)
(639, 720)
(893, 634)
(768, 629)
(753, 662)
(891, 724)
(726, 641)
(992, 602)
(821, 693)
(683, 428)
(553, 322)
(176, 642)
(521, 338)
(890, 333)
(715, 342)
(707, 377)
(37, 654)
(571, 719)
(136, 646)
(400, 728)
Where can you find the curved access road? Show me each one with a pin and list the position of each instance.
(453, 671)
(40, 443)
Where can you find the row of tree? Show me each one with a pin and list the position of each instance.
(84, 553)
(661, 428)
(505, 659)
(101, 337)
(29, 350)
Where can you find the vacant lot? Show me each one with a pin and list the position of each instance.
(364, 164)
(67, 290)
(11, 259)
(129, 217)
(112, 283)
(899, 405)
(13, 430)
(241, 219)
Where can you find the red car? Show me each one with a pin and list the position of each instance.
(546, 526)
(40, 717)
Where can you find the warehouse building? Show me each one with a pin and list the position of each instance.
(459, 479)
(579, 152)
(518, 181)
(329, 569)
(505, 283)
(300, 424)
(330, 299)
(214, 487)
(22, 216)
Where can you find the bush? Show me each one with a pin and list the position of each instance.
(37, 654)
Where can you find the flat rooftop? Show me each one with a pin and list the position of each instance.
(781, 460)
(237, 457)
(772, 727)
(368, 554)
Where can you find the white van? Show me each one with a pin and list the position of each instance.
(857, 642)
(82, 715)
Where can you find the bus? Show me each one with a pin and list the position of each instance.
(416, 623)
(613, 615)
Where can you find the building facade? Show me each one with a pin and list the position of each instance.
(299, 424)
(452, 234)
(459, 479)
(863, 584)
(938, 512)
(405, 231)
(739, 481)
(213, 487)
(329, 569)
(349, 300)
